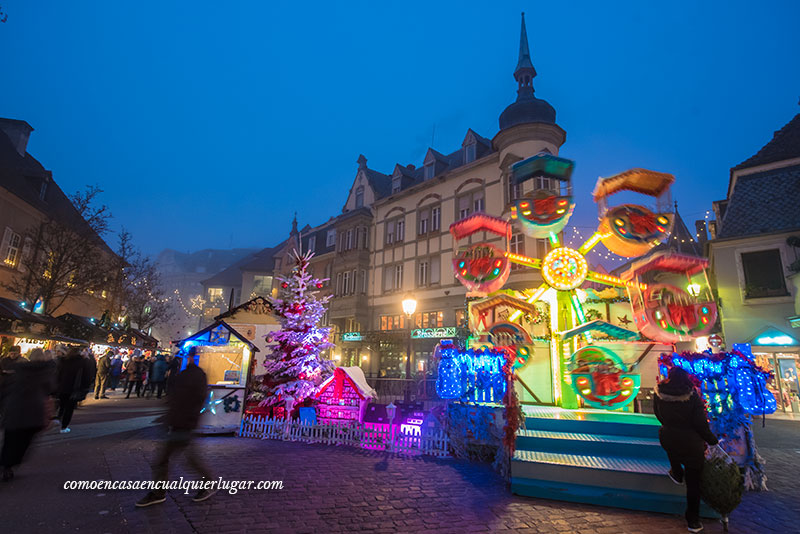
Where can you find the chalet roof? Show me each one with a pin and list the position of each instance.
(258, 303)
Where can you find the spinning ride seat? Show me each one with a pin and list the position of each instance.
(482, 267)
(665, 312)
(601, 378)
(629, 229)
(545, 210)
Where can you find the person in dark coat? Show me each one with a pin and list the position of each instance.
(158, 376)
(90, 366)
(115, 372)
(101, 378)
(72, 383)
(185, 402)
(133, 370)
(24, 407)
(684, 434)
(173, 368)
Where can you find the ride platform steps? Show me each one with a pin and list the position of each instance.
(595, 457)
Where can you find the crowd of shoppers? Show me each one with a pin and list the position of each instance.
(47, 385)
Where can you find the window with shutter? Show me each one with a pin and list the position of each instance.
(436, 216)
(6, 241)
(390, 232)
(435, 274)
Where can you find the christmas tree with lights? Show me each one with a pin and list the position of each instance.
(295, 369)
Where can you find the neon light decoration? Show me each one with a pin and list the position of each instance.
(631, 230)
(601, 378)
(545, 211)
(564, 268)
(471, 375)
(727, 379)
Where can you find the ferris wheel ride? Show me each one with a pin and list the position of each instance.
(630, 230)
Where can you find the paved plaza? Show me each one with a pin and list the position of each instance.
(327, 488)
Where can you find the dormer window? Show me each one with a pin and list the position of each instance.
(470, 153)
(429, 171)
(360, 196)
(396, 184)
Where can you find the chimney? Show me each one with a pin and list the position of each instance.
(702, 233)
(18, 132)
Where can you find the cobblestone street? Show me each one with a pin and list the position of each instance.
(327, 489)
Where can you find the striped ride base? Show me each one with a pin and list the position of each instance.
(592, 456)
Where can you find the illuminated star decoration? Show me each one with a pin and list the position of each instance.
(212, 403)
(198, 302)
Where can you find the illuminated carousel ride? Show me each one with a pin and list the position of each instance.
(571, 340)
(664, 311)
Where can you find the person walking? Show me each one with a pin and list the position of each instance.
(173, 368)
(134, 376)
(184, 404)
(25, 407)
(90, 364)
(148, 377)
(72, 383)
(101, 378)
(158, 376)
(7, 364)
(683, 435)
(115, 372)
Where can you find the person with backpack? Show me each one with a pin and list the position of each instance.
(684, 434)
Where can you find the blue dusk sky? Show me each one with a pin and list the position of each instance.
(209, 124)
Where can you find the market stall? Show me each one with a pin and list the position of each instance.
(225, 356)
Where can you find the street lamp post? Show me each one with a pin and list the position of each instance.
(409, 307)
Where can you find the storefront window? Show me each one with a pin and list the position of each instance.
(785, 386)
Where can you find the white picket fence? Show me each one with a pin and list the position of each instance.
(430, 442)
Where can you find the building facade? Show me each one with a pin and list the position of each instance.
(28, 198)
(754, 257)
(392, 238)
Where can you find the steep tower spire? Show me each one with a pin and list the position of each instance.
(524, 73)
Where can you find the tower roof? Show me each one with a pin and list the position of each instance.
(524, 62)
(527, 107)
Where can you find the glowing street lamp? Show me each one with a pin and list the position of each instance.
(409, 307)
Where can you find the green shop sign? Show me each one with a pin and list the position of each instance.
(352, 336)
(434, 333)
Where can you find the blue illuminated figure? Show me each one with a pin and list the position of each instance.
(448, 384)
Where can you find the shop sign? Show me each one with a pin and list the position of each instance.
(777, 339)
(434, 333)
(352, 336)
(774, 337)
